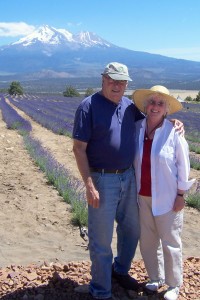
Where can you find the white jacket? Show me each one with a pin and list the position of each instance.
(170, 165)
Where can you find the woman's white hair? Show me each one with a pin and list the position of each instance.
(147, 100)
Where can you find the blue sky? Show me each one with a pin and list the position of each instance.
(167, 27)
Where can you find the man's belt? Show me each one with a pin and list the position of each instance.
(111, 171)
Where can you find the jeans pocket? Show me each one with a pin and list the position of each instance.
(96, 177)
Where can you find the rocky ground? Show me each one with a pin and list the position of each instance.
(57, 281)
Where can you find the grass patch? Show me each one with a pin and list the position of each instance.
(70, 188)
(193, 200)
(195, 162)
(193, 137)
(79, 213)
(194, 148)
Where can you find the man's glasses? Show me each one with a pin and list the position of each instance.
(112, 81)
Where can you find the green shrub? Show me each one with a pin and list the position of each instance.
(71, 92)
(193, 200)
(89, 92)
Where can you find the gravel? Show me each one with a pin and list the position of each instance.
(56, 281)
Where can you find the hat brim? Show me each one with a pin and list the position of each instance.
(139, 97)
(118, 76)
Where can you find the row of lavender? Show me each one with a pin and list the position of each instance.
(57, 112)
(69, 187)
(190, 117)
(54, 113)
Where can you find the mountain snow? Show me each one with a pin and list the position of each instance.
(90, 39)
(52, 36)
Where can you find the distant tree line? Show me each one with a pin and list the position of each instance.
(72, 92)
(189, 98)
(16, 89)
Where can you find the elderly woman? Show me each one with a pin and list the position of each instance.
(162, 170)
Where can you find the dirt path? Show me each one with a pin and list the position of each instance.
(35, 222)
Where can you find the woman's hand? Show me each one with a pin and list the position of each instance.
(179, 203)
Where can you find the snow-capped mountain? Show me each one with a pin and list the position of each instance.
(89, 39)
(47, 35)
(50, 52)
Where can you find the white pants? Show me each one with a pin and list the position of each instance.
(160, 243)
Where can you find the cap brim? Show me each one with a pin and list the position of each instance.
(117, 76)
(139, 97)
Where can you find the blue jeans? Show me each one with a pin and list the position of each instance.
(118, 201)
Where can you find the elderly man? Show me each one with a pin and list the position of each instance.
(104, 134)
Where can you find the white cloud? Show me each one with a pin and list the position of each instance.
(70, 24)
(15, 29)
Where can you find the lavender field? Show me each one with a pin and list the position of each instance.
(53, 112)
(57, 113)
(190, 116)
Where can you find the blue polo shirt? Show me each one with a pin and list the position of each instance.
(108, 129)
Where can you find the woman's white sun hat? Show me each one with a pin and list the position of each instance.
(140, 96)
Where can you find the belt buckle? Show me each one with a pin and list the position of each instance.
(117, 171)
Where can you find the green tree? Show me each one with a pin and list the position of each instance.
(15, 88)
(71, 92)
(188, 99)
(197, 97)
(89, 92)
